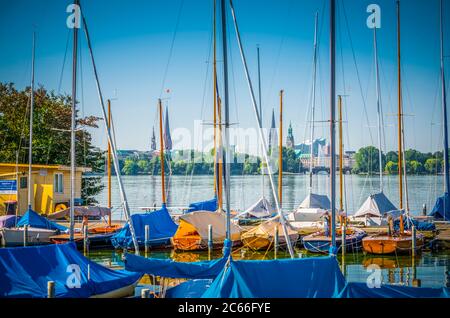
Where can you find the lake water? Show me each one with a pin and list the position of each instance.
(145, 191)
(432, 269)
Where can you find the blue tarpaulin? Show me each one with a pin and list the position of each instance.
(194, 288)
(161, 227)
(25, 271)
(441, 209)
(171, 269)
(32, 219)
(420, 225)
(361, 290)
(210, 205)
(288, 278)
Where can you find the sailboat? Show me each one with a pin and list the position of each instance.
(314, 206)
(263, 236)
(441, 209)
(373, 210)
(161, 226)
(38, 229)
(193, 232)
(395, 241)
(320, 242)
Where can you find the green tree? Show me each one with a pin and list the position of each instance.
(51, 141)
(416, 167)
(433, 166)
(391, 167)
(130, 167)
(392, 156)
(144, 166)
(367, 160)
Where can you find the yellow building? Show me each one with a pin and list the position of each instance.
(51, 187)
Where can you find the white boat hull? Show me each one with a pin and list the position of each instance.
(15, 236)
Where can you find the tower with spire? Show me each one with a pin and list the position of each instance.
(153, 147)
(273, 135)
(167, 137)
(290, 138)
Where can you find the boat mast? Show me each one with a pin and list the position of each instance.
(400, 147)
(109, 165)
(215, 97)
(123, 195)
(30, 146)
(260, 113)
(227, 117)
(73, 125)
(313, 108)
(332, 122)
(161, 153)
(379, 111)
(280, 153)
(341, 157)
(263, 141)
(444, 102)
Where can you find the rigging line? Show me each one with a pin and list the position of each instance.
(280, 48)
(83, 132)
(357, 69)
(171, 47)
(64, 61)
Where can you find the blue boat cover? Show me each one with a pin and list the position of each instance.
(8, 221)
(318, 277)
(171, 269)
(160, 224)
(420, 225)
(25, 271)
(361, 290)
(441, 209)
(194, 288)
(32, 219)
(210, 205)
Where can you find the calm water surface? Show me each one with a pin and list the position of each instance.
(144, 191)
(433, 269)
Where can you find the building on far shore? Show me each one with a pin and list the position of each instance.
(51, 188)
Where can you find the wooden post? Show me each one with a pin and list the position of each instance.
(210, 237)
(276, 241)
(109, 163)
(25, 235)
(414, 241)
(89, 272)
(50, 289)
(85, 240)
(424, 209)
(147, 238)
(145, 292)
(344, 236)
(215, 97)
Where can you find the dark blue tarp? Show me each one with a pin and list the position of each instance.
(25, 271)
(361, 290)
(318, 277)
(161, 227)
(32, 219)
(8, 221)
(210, 205)
(441, 209)
(194, 288)
(420, 225)
(171, 269)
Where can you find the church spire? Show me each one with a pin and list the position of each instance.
(167, 137)
(290, 137)
(153, 147)
(273, 135)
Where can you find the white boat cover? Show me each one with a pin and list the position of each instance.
(92, 211)
(376, 205)
(260, 209)
(267, 230)
(201, 219)
(315, 201)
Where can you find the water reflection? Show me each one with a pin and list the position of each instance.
(431, 269)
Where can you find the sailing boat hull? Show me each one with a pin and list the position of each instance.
(384, 245)
(319, 243)
(15, 236)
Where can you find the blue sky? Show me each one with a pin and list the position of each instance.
(132, 42)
